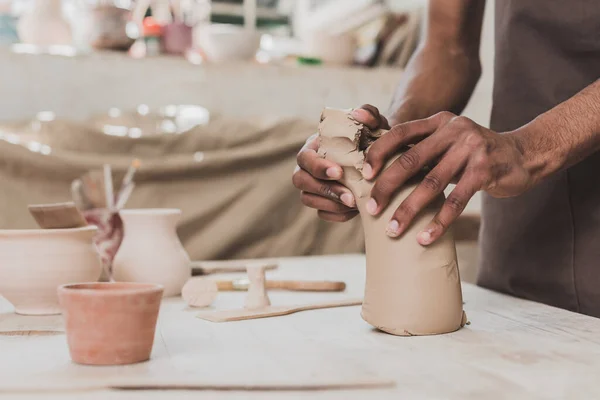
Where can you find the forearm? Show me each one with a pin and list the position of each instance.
(563, 136)
(443, 72)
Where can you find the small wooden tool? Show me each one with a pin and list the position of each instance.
(299, 286)
(227, 266)
(57, 216)
(257, 297)
(271, 311)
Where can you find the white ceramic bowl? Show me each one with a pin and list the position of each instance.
(224, 42)
(34, 263)
(332, 49)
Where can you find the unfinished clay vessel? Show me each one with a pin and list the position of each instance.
(410, 289)
(35, 262)
(151, 251)
(110, 323)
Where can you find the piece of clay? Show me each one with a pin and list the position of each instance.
(199, 292)
(410, 289)
(257, 297)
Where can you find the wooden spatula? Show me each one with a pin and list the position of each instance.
(272, 311)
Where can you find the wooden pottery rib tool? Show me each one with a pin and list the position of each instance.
(272, 311)
(57, 216)
(300, 286)
(227, 266)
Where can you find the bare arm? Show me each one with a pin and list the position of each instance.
(444, 70)
(503, 164)
(563, 136)
(440, 76)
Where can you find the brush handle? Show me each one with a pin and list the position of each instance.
(307, 286)
(299, 286)
(227, 266)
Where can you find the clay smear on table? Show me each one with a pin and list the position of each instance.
(410, 289)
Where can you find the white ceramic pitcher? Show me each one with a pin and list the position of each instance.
(151, 251)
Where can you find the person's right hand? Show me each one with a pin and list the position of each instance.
(316, 177)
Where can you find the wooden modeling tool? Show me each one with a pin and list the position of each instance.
(257, 297)
(272, 311)
(300, 286)
(57, 215)
(227, 266)
(199, 292)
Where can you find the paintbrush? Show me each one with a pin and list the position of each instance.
(57, 216)
(301, 286)
(109, 193)
(126, 189)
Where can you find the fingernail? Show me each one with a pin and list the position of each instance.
(348, 199)
(393, 228)
(424, 238)
(372, 206)
(334, 172)
(367, 171)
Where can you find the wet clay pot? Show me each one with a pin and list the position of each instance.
(151, 251)
(35, 262)
(110, 323)
(410, 289)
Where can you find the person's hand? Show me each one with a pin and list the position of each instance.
(316, 177)
(475, 157)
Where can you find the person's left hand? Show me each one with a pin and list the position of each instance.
(475, 157)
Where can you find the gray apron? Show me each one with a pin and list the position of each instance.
(545, 245)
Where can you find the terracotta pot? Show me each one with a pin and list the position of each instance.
(151, 251)
(34, 263)
(110, 323)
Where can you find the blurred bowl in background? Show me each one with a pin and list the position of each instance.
(331, 48)
(224, 42)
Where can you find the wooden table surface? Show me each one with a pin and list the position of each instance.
(512, 349)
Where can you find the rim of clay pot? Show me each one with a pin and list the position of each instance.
(150, 211)
(110, 288)
(36, 232)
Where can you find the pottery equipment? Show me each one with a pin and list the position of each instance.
(410, 289)
(272, 311)
(299, 286)
(57, 216)
(227, 266)
(110, 323)
(33, 263)
(199, 292)
(257, 297)
(151, 251)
